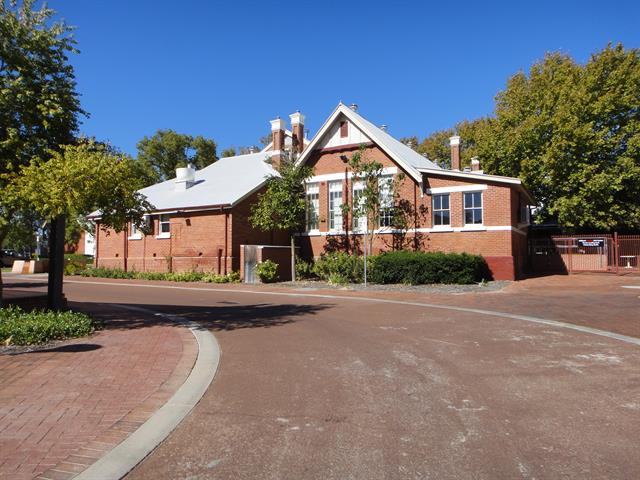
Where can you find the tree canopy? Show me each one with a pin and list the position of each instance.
(571, 132)
(167, 149)
(39, 105)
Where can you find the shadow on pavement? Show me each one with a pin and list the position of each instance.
(229, 316)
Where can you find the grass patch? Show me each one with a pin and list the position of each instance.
(18, 327)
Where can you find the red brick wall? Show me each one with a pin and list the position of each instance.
(504, 250)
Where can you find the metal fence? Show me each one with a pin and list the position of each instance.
(585, 253)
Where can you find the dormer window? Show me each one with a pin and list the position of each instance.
(344, 129)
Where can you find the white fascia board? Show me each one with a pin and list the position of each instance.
(457, 188)
(474, 176)
(474, 228)
(340, 176)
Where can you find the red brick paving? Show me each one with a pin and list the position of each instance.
(62, 410)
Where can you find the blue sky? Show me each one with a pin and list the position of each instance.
(224, 69)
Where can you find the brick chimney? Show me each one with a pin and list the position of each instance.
(277, 131)
(297, 126)
(455, 152)
(475, 164)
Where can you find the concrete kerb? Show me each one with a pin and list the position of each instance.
(513, 316)
(127, 454)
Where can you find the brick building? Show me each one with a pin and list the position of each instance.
(201, 217)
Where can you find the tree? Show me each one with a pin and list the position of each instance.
(572, 133)
(282, 206)
(229, 152)
(166, 150)
(39, 105)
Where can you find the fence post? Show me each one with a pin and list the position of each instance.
(615, 252)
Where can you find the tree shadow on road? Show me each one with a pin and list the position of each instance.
(222, 316)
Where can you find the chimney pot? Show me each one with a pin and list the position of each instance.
(475, 164)
(354, 107)
(185, 177)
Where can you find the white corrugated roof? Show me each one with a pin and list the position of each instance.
(224, 182)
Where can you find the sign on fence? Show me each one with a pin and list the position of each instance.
(591, 242)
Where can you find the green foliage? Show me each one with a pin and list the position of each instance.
(418, 268)
(571, 132)
(304, 270)
(229, 152)
(39, 105)
(18, 327)
(282, 206)
(74, 263)
(208, 277)
(340, 268)
(166, 150)
(267, 271)
(80, 179)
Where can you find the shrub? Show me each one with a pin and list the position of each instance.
(106, 273)
(27, 328)
(267, 271)
(304, 270)
(233, 277)
(340, 268)
(418, 268)
(74, 262)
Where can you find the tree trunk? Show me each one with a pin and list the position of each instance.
(55, 298)
(293, 258)
(3, 235)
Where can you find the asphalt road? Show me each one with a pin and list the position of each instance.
(342, 388)
(335, 388)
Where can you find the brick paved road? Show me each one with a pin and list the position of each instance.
(62, 408)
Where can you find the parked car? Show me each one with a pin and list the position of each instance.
(7, 256)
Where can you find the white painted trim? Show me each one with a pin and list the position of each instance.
(460, 188)
(475, 176)
(134, 237)
(328, 177)
(163, 236)
(382, 231)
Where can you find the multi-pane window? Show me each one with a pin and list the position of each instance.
(473, 208)
(441, 210)
(313, 206)
(164, 225)
(386, 201)
(359, 219)
(335, 205)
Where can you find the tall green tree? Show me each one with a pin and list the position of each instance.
(167, 149)
(282, 206)
(571, 132)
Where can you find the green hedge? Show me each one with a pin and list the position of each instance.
(417, 268)
(18, 327)
(208, 277)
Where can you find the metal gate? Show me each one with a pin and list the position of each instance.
(250, 263)
(585, 253)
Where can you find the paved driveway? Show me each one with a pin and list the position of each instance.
(331, 387)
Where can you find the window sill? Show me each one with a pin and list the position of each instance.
(441, 229)
(473, 228)
(135, 237)
(163, 236)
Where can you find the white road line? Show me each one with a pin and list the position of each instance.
(526, 318)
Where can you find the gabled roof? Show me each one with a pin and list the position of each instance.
(407, 158)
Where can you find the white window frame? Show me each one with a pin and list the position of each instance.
(313, 206)
(335, 210)
(134, 232)
(385, 191)
(162, 222)
(440, 209)
(358, 224)
(472, 208)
